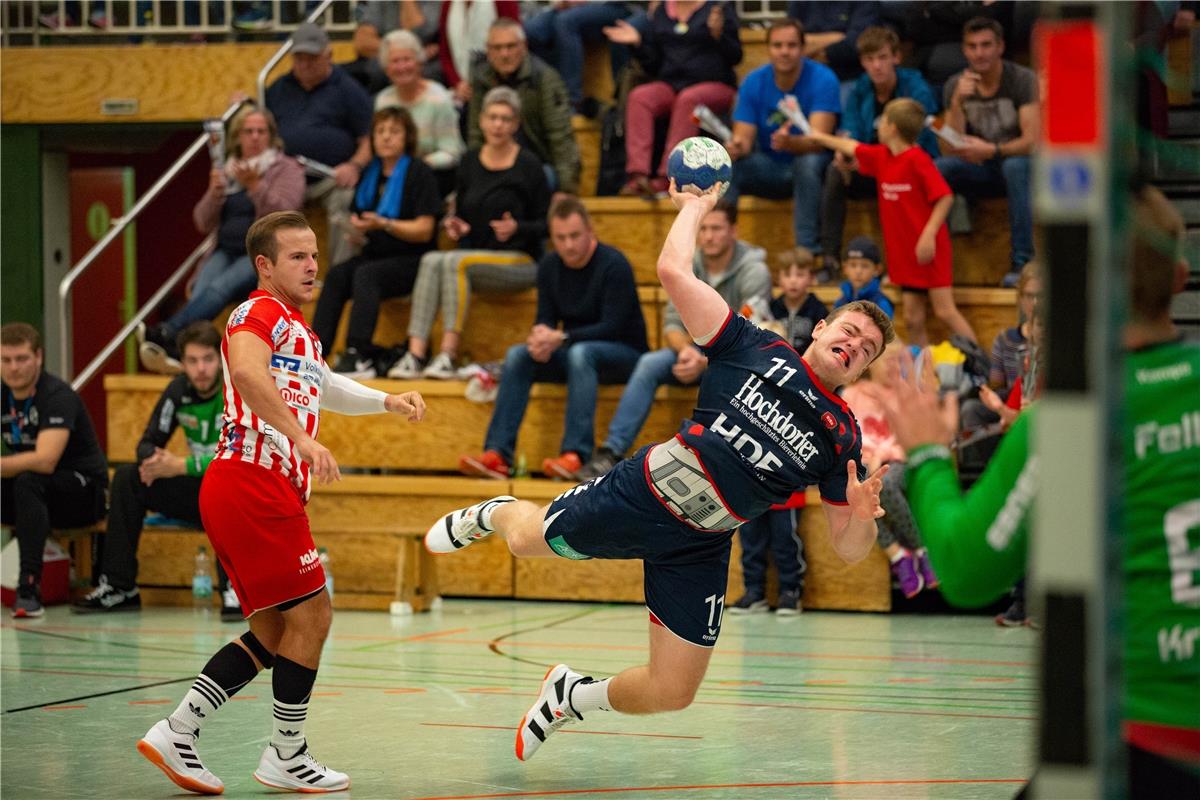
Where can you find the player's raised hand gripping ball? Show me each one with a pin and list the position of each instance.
(697, 163)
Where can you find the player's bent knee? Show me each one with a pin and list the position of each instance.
(676, 698)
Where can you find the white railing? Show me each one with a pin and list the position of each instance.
(39, 22)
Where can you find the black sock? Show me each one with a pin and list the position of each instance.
(292, 685)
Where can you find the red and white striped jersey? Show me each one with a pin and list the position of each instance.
(298, 370)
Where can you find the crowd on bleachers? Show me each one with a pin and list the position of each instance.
(459, 117)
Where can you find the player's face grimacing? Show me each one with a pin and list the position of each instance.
(293, 273)
(841, 350)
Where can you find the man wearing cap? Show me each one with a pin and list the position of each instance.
(324, 115)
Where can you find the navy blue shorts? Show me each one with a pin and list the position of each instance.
(617, 516)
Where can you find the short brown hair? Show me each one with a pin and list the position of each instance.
(798, 258)
(1155, 253)
(877, 315)
(200, 332)
(729, 209)
(568, 206)
(786, 23)
(978, 24)
(907, 115)
(401, 115)
(876, 38)
(15, 333)
(261, 239)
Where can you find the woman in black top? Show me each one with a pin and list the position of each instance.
(499, 225)
(393, 214)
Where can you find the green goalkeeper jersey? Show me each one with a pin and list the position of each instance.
(978, 542)
(1161, 432)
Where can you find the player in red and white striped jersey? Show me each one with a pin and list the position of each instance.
(252, 505)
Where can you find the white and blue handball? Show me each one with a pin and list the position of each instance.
(697, 163)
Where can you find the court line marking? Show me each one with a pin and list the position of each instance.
(99, 694)
(865, 710)
(60, 708)
(833, 656)
(703, 786)
(510, 729)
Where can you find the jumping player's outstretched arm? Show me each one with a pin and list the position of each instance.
(702, 310)
(250, 371)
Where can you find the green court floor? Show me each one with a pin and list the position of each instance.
(823, 705)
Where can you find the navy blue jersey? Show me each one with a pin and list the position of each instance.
(765, 426)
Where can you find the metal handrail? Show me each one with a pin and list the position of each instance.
(118, 225)
(96, 363)
(121, 223)
(284, 49)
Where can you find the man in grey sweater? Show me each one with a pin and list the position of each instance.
(739, 273)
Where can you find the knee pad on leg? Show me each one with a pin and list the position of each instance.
(256, 647)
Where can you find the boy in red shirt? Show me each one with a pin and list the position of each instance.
(914, 200)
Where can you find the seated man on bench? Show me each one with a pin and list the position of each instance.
(162, 481)
(53, 470)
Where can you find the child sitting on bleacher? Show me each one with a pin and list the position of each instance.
(913, 203)
(796, 310)
(863, 271)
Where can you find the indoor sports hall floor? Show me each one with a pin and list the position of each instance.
(823, 705)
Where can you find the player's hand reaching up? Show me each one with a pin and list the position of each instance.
(406, 404)
(324, 468)
(706, 200)
(863, 497)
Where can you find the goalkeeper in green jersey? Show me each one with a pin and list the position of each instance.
(978, 541)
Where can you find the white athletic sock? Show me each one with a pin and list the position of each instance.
(485, 512)
(589, 695)
(198, 705)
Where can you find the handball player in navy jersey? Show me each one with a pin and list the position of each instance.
(767, 424)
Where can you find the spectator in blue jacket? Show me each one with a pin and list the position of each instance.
(832, 28)
(863, 275)
(883, 80)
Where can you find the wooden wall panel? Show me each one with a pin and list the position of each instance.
(171, 83)
(832, 584)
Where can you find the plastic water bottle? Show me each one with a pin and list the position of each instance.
(325, 565)
(202, 582)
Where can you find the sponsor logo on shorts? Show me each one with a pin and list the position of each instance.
(309, 561)
(560, 546)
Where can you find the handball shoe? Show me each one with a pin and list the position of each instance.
(908, 575)
(551, 711)
(300, 773)
(175, 754)
(460, 528)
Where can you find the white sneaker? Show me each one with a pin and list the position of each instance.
(175, 754)
(551, 711)
(301, 772)
(441, 368)
(460, 528)
(408, 368)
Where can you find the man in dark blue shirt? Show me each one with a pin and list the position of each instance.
(324, 115)
(766, 425)
(589, 288)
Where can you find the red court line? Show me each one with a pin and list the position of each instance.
(565, 730)
(244, 697)
(779, 785)
(864, 710)
(148, 702)
(61, 708)
(326, 694)
(507, 643)
(825, 682)
(908, 680)
(421, 636)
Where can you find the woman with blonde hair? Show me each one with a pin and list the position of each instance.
(256, 179)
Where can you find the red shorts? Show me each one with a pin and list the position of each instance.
(257, 525)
